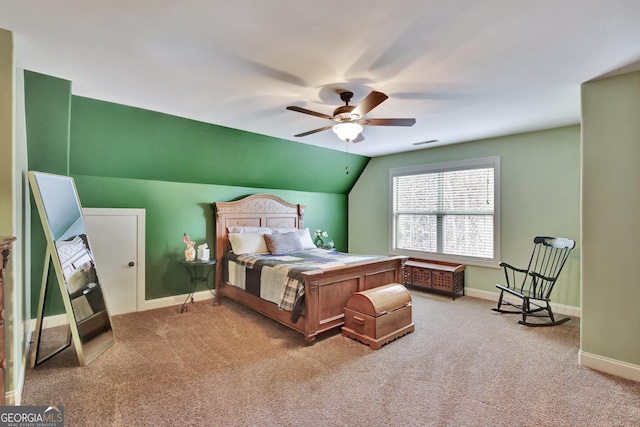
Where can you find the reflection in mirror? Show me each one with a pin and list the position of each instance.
(69, 249)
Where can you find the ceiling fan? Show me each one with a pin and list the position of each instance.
(350, 118)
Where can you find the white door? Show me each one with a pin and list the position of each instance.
(116, 237)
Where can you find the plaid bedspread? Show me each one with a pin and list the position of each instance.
(278, 278)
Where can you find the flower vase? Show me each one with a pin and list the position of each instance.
(190, 254)
(318, 242)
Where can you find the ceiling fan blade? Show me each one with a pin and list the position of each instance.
(369, 103)
(314, 131)
(387, 122)
(360, 138)
(305, 111)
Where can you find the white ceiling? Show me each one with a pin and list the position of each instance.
(465, 69)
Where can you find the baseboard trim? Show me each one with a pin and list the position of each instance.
(61, 319)
(567, 310)
(588, 360)
(609, 366)
(175, 300)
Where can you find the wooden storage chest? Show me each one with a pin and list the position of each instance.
(435, 275)
(379, 315)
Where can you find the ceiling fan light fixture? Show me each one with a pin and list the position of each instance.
(348, 118)
(347, 131)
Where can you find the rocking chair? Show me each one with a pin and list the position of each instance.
(537, 281)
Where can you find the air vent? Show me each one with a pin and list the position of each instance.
(425, 142)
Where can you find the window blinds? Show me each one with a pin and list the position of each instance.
(445, 210)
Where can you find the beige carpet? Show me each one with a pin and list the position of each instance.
(228, 366)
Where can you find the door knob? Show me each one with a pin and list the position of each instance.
(131, 263)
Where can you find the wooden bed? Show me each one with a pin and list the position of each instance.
(326, 292)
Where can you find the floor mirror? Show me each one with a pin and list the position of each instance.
(69, 253)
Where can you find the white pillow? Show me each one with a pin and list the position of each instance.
(248, 243)
(305, 239)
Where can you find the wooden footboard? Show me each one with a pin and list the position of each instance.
(326, 294)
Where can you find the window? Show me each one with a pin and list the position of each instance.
(447, 211)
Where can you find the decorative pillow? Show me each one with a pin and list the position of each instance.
(248, 243)
(283, 243)
(304, 234)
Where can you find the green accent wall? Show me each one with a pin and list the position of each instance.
(118, 141)
(174, 168)
(48, 104)
(47, 116)
(12, 222)
(172, 208)
(610, 325)
(539, 195)
(6, 133)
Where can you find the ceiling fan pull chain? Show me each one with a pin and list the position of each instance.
(346, 159)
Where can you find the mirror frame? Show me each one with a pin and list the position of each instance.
(95, 341)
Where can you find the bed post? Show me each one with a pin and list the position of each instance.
(301, 216)
(218, 250)
(311, 311)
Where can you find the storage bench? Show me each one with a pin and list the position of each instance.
(435, 275)
(378, 316)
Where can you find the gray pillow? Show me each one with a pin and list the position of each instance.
(283, 243)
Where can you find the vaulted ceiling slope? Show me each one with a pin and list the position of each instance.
(465, 69)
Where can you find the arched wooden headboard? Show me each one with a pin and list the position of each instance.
(257, 210)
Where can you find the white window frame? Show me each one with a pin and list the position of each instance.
(493, 162)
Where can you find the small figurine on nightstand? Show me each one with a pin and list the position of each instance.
(190, 253)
